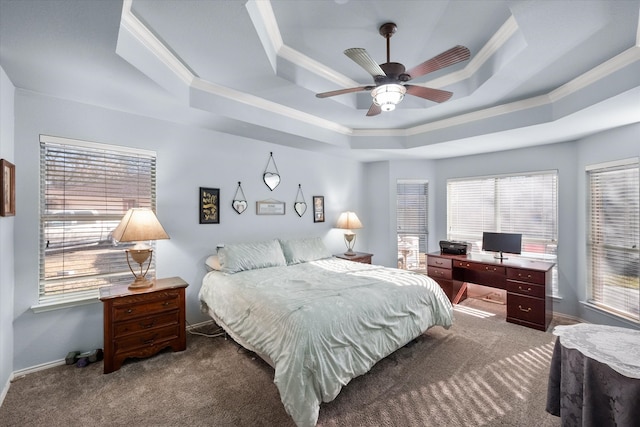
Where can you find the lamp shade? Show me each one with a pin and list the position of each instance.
(138, 225)
(348, 221)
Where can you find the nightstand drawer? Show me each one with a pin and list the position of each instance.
(137, 306)
(125, 328)
(148, 338)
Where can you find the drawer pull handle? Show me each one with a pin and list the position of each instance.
(439, 262)
(166, 303)
(524, 290)
(528, 275)
(148, 325)
(522, 309)
(489, 268)
(130, 311)
(150, 340)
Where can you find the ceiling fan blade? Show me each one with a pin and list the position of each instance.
(452, 56)
(374, 110)
(362, 58)
(435, 95)
(343, 91)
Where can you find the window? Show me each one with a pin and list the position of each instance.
(524, 203)
(614, 236)
(85, 190)
(411, 213)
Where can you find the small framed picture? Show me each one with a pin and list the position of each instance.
(209, 205)
(270, 207)
(318, 208)
(7, 188)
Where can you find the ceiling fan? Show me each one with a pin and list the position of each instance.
(390, 78)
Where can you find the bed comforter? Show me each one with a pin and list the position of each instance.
(324, 322)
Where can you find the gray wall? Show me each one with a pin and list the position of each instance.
(6, 241)
(187, 158)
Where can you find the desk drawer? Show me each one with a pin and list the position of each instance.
(476, 266)
(528, 289)
(439, 262)
(438, 273)
(525, 308)
(524, 275)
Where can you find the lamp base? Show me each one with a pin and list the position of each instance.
(350, 253)
(141, 282)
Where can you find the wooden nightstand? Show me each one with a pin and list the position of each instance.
(140, 323)
(362, 257)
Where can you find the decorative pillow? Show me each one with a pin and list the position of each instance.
(304, 250)
(213, 263)
(249, 256)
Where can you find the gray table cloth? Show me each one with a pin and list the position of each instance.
(594, 379)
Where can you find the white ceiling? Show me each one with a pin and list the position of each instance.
(540, 71)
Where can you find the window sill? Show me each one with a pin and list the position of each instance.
(68, 302)
(599, 310)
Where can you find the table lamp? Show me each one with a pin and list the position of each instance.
(139, 225)
(349, 221)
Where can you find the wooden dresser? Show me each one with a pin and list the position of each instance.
(528, 283)
(362, 257)
(140, 323)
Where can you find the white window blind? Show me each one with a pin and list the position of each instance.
(85, 190)
(614, 238)
(522, 203)
(411, 213)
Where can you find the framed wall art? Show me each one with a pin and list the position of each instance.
(318, 208)
(7, 188)
(209, 205)
(270, 207)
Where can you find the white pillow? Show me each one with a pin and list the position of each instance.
(304, 250)
(248, 256)
(213, 263)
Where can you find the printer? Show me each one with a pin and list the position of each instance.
(454, 247)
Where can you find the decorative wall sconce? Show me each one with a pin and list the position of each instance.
(239, 200)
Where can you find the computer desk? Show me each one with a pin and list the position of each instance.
(527, 282)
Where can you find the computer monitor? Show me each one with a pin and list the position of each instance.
(502, 242)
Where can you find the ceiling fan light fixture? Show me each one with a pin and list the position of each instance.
(388, 96)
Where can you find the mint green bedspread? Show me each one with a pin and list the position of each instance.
(324, 322)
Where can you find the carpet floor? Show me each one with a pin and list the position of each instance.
(480, 372)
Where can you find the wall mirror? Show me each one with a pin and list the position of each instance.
(271, 176)
(300, 206)
(239, 200)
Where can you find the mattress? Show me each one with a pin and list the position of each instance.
(323, 323)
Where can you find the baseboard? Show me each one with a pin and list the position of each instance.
(5, 389)
(568, 317)
(22, 372)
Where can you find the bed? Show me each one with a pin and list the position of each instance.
(319, 321)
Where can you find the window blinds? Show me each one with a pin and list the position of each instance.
(411, 211)
(614, 237)
(85, 189)
(525, 204)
